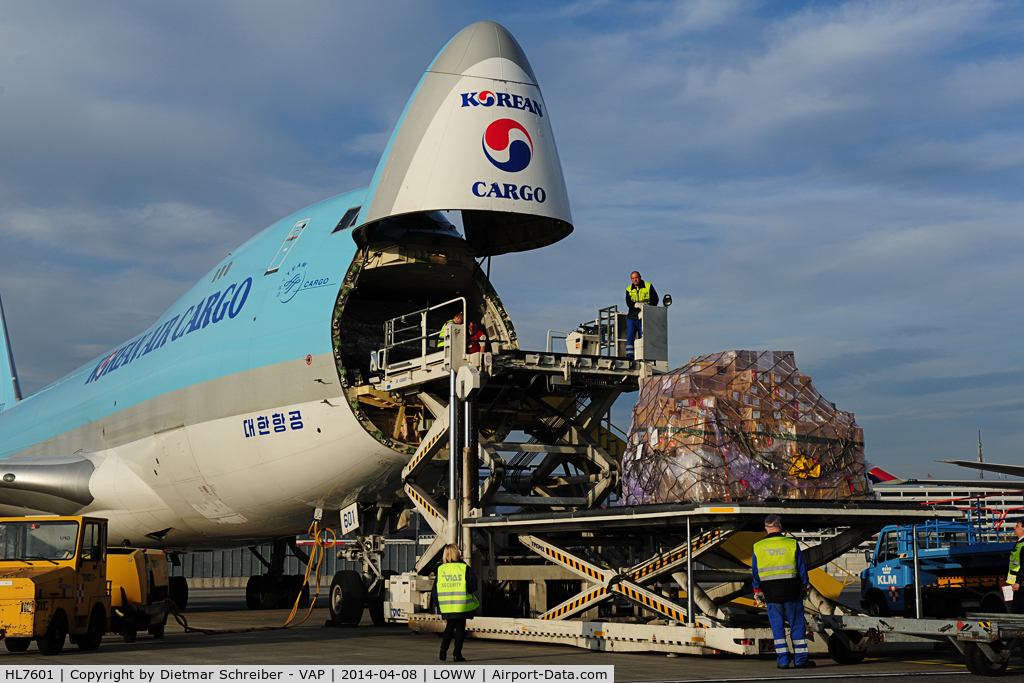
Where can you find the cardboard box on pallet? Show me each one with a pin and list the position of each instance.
(741, 426)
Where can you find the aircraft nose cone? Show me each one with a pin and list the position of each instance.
(485, 49)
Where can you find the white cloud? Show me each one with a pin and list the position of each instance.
(996, 83)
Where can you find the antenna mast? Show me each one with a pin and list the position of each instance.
(981, 456)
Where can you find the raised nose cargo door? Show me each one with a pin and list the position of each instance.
(476, 137)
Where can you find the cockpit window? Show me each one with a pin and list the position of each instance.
(38, 540)
(348, 220)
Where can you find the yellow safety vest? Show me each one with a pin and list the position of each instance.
(1011, 575)
(452, 596)
(440, 335)
(641, 295)
(776, 558)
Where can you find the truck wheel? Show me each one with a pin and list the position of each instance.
(90, 640)
(178, 592)
(840, 653)
(17, 644)
(878, 606)
(978, 664)
(346, 598)
(52, 641)
(993, 603)
(377, 598)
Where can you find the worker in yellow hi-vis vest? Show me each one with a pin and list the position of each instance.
(1013, 573)
(454, 586)
(780, 583)
(447, 327)
(638, 294)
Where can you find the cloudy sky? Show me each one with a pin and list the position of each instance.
(839, 179)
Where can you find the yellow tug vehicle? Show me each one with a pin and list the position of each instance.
(53, 582)
(138, 593)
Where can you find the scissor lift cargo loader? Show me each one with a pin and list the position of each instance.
(640, 556)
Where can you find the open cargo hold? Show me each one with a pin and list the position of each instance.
(741, 426)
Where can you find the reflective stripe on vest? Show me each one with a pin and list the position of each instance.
(1011, 575)
(641, 295)
(452, 597)
(776, 558)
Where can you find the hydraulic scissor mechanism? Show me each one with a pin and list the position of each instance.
(565, 465)
(435, 514)
(629, 582)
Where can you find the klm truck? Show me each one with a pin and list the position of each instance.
(961, 565)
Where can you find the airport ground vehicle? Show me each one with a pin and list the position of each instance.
(138, 592)
(961, 566)
(53, 582)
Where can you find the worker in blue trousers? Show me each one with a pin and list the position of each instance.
(780, 583)
(638, 294)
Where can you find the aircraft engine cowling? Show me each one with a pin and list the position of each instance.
(55, 484)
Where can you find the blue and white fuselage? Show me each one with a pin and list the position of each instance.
(246, 405)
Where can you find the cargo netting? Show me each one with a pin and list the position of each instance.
(741, 426)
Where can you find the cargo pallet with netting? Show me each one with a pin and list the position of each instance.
(741, 426)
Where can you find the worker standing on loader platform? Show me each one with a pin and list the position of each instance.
(781, 582)
(638, 294)
(454, 586)
(457, 320)
(1012, 573)
(474, 335)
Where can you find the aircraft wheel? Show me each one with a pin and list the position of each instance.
(296, 589)
(291, 587)
(267, 591)
(978, 664)
(252, 589)
(377, 598)
(178, 592)
(90, 640)
(17, 644)
(52, 641)
(841, 654)
(346, 598)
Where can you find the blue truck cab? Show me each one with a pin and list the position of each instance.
(962, 566)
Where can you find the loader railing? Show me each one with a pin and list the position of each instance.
(409, 342)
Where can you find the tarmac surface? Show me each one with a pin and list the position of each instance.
(313, 644)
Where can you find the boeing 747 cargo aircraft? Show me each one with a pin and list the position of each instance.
(249, 404)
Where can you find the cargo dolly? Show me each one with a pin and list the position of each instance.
(985, 640)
